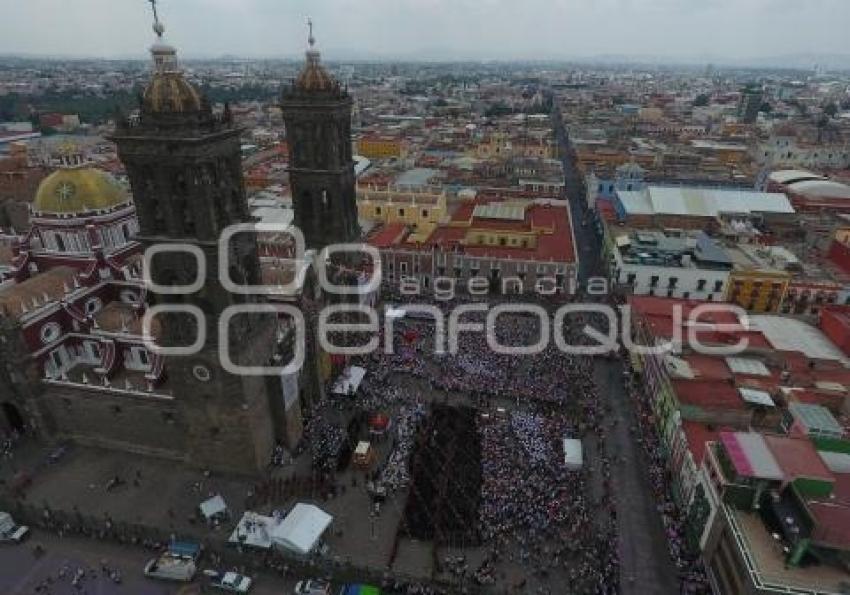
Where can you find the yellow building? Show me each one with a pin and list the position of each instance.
(381, 147)
(422, 210)
(504, 144)
(758, 290)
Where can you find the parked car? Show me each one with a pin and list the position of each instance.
(11, 532)
(313, 587)
(229, 581)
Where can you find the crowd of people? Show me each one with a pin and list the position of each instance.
(691, 571)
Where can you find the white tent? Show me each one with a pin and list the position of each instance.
(214, 507)
(302, 528)
(573, 455)
(349, 380)
(254, 530)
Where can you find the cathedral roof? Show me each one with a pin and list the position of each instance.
(77, 191)
(168, 91)
(313, 77)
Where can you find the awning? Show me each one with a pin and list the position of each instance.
(254, 530)
(302, 528)
(213, 507)
(573, 453)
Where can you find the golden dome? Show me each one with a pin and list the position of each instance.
(78, 191)
(314, 77)
(170, 92)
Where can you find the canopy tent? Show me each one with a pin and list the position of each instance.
(214, 507)
(573, 455)
(392, 312)
(349, 381)
(254, 530)
(302, 528)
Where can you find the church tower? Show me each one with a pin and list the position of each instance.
(184, 166)
(317, 113)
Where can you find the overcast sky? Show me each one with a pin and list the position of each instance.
(445, 29)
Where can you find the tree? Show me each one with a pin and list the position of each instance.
(701, 100)
(766, 108)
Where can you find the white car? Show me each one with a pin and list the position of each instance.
(229, 581)
(313, 587)
(11, 532)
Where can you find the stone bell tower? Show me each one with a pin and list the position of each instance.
(317, 113)
(184, 165)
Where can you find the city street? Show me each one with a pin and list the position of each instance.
(645, 564)
(21, 572)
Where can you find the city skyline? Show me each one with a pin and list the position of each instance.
(721, 31)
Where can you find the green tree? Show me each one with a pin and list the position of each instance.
(830, 109)
(701, 100)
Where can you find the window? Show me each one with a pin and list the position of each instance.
(50, 332)
(686, 295)
(630, 279)
(402, 266)
(701, 285)
(377, 210)
(424, 212)
(718, 286)
(401, 212)
(671, 283)
(128, 296)
(653, 281)
(93, 305)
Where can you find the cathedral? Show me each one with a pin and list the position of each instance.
(79, 364)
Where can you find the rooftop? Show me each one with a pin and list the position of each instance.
(701, 202)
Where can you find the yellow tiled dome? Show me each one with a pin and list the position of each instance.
(314, 77)
(78, 191)
(170, 92)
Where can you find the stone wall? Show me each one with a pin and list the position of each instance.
(116, 420)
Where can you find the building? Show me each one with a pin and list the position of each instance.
(81, 365)
(810, 193)
(750, 104)
(672, 263)
(420, 208)
(695, 207)
(516, 247)
(317, 112)
(760, 277)
(777, 513)
(381, 147)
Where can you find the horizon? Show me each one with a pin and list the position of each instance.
(720, 32)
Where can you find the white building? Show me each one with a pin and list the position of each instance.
(671, 264)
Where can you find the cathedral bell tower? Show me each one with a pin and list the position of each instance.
(184, 165)
(317, 113)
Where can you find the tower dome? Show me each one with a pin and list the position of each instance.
(313, 77)
(168, 91)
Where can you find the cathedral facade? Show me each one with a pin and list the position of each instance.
(81, 365)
